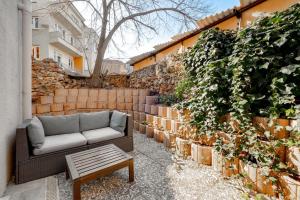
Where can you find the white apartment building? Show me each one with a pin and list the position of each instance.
(114, 67)
(59, 32)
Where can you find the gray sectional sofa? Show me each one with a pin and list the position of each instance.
(43, 142)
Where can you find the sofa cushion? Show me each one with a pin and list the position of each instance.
(118, 121)
(36, 133)
(102, 134)
(95, 120)
(55, 125)
(60, 142)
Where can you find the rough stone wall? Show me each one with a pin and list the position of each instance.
(161, 77)
(47, 76)
(117, 81)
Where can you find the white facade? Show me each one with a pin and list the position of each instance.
(114, 67)
(15, 78)
(59, 32)
(90, 52)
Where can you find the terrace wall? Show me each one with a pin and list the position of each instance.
(56, 93)
(48, 76)
(70, 101)
(161, 77)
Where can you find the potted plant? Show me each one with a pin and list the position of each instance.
(149, 131)
(183, 142)
(159, 134)
(202, 154)
(290, 179)
(142, 127)
(172, 113)
(166, 124)
(169, 139)
(136, 125)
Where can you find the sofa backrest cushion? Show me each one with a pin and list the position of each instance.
(118, 121)
(56, 125)
(36, 133)
(94, 120)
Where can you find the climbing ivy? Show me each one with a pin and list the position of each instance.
(206, 65)
(266, 73)
(255, 72)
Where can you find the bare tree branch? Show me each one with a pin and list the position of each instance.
(112, 19)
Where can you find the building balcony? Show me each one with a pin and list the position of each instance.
(73, 71)
(66, 20)
(57, 40)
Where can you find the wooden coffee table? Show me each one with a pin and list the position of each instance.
(88, 165)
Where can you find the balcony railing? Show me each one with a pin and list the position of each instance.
(63, 15)
(71, 70)
(56, 38)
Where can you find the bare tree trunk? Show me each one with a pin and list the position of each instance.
(113, 14)
(97, 80)
(98, 75)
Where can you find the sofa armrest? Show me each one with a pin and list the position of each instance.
(129, 126)
(22, 143)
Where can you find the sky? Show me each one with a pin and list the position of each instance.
(131, 48)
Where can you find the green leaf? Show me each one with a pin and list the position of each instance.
(289, 69)
(265, 66)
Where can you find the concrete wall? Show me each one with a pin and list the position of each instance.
(40, 37)
(10, 85)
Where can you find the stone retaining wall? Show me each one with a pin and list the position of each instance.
(69, 101)
(47, 76)
(161, 77)
(49, 80)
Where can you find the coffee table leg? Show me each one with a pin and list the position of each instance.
(67, 174)
(131, 171)
(76, 190)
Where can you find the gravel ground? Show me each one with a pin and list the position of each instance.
(158, 176)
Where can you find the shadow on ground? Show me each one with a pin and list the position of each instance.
(156, 177)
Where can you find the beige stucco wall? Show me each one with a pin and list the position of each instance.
(10, 85)
(248, 16)
(146, 62)
(268, 6)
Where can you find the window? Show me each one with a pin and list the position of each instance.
(54, 55)
(35, 22)
(56, 27)
(36, 52)
(86, 67)
(59, 28)
(59, 60)
(64, 34)
(71, 40)
(74, 20)
(70, 63)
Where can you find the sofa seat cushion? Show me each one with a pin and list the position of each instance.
(103, 134)
(60, 142)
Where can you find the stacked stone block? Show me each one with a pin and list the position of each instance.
(70, 101)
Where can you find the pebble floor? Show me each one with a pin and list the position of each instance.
(158, 176)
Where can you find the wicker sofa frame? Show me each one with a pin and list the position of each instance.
(30, 167)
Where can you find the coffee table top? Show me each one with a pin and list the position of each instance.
(91, 161)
